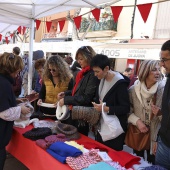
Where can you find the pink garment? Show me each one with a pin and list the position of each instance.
(45, 143)
(83, 161)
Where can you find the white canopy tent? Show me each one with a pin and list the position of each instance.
(16, 13)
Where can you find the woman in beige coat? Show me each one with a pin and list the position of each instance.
(145, 90)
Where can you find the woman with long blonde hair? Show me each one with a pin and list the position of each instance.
(56, 78)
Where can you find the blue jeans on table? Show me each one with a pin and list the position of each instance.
(162, 155)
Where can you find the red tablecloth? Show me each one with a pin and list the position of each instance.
(34, 157)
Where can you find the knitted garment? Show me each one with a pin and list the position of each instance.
(61, 151)
(41, 143)
(75, 144)
(88, 114)
(100, 166)
(27, 104)
(44, 123)
(37, 133)
(45, 143)
(117, 166)
(68, 130)
(83, 161)
(23, 123)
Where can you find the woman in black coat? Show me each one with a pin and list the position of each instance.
(84, 88)
(10, 65)
(112, 91)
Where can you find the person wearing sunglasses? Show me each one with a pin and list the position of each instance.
(162, 156)
(10, 65)
(56, 78)
(84, 89)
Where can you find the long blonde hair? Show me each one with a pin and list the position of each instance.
(64, 73)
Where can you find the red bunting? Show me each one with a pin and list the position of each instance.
(61, 25)
(77, 21)
(38, 22)
(144, 10)
(116, 10)
(6, 39)
(48, 25)
(11, 35)
(96, 14)
(23, 30)
(0, 37)
(19, 29)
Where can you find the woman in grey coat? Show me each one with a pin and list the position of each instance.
(142, 95)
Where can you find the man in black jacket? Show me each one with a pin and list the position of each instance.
(163, 149)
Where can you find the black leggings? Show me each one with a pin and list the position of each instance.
(150, 158)
(6, 128)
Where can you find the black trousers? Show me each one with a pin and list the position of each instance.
(6, 128)
(150, 158)
(116, 144)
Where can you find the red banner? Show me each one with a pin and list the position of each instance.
(77, 21)
(96, 14)
(38, 22)
(48, 25)
(116, 10)
(0, 37)
(6, 39)
(11, 35)
(61, 25)
(23, 30)
(19, 29)
(144, 10)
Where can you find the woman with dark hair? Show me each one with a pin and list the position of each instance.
(84, 88)
(39, 67)
(112, 96)
(56, 78)
(10, 65)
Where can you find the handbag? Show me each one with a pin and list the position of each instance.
(137, 140)
(88, 114)
(110, 126)
(26, 102)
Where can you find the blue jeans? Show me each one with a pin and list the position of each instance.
(162, 155)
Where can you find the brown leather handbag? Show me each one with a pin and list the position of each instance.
(137, 140)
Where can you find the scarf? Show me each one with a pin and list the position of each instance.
(79, 76)
(142, 92)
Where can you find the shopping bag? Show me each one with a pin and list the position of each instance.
(110, 126)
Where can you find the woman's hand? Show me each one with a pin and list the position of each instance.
(24, 109)
(98, 107)
(154, 148)
(33, 92)
(155, 110)
(61, 102)
(39, 102)
(141, 126)
(60, 95)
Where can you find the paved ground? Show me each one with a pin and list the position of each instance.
(13, 164)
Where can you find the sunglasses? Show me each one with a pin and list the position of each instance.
(52, 70)
(85, 48)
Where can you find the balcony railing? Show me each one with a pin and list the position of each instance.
(103, 24)
(57, 35)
